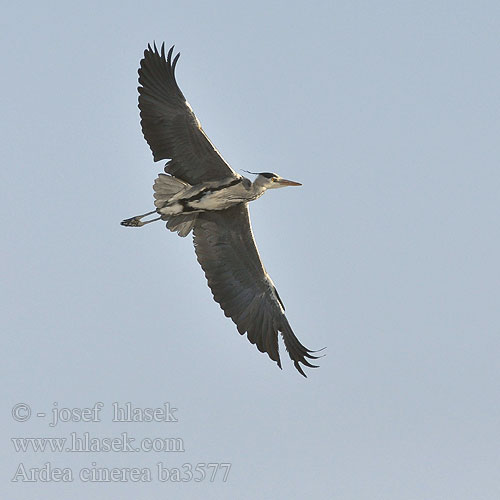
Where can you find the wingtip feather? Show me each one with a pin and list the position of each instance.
(174, 63)
(169, 55)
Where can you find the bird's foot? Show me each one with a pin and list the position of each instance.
(137, 222)
(132, 222)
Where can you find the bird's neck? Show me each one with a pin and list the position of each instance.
(257, 190)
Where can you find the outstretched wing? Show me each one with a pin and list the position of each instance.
(170, 126)
(227, 253)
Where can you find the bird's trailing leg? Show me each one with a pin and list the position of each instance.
(137, 222)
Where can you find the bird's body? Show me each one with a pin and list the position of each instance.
(200, 192)
(211, 195)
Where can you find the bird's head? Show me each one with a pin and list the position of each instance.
(269, 180)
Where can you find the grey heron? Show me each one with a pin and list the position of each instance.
(200, 192)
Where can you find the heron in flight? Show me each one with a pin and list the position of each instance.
(200, 192)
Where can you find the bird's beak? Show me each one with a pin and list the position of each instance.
(285, 182)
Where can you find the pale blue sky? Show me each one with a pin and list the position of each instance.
(388, 113)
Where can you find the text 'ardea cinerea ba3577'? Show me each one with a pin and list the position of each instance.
(200, 192)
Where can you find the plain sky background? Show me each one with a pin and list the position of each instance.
(388, 113)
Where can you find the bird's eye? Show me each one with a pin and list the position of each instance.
(274, 179)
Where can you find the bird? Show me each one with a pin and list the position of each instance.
(200, 193)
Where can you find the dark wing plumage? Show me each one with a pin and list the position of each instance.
(227, 253)
(170, 126)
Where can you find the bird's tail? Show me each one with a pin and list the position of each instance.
(165, 187)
